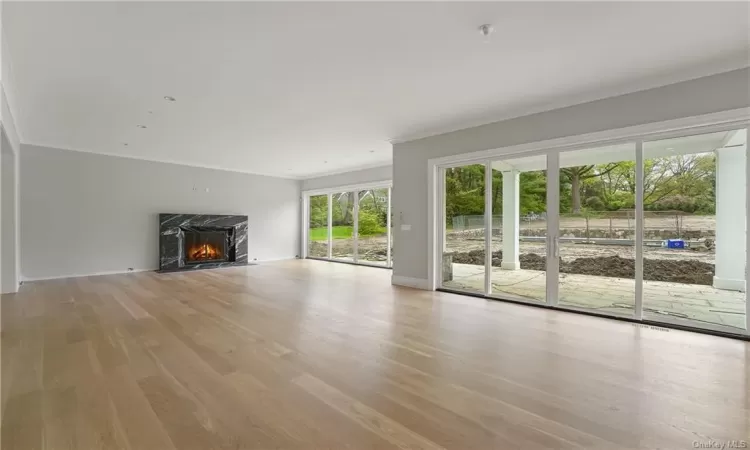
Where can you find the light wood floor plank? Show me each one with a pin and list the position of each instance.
(387, 428)
(309, 354)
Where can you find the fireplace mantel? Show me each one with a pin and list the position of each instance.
(172, 229)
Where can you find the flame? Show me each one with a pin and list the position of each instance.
(204, 251)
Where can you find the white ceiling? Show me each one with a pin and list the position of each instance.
(302, 89)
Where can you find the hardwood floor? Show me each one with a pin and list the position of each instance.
(309, 354)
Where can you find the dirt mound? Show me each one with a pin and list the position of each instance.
(608, 266)
(685, 271)
(676, 271)
(532, 261)
(475, 257)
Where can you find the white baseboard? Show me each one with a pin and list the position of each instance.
(79, 275)
(119, 272)
(9, 292)
(263, 261)
(729, 284)
(416, 283)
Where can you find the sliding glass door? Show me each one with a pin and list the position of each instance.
(352, 225)
(344, 216)
(695, 196)
(519, 229)
(317, 231)
(597, 229)
(464, 231)
(646, 229)
(372, 226)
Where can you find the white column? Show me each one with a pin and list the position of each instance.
(731, 191)
(511, 218)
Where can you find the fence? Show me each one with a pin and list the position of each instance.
(606, 224)
(464, 223)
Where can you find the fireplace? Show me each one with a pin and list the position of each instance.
(206, 244)
(201, 241)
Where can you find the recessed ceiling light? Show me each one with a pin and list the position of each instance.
(169, 98)
(486, 30)
(141, 126)
(125, 144)
(325, 162)
(150, 112)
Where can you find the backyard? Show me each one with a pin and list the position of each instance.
(597, 230)
(342, 232)
(371, 218)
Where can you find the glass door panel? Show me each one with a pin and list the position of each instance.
(372, 221)
(596, 243)
(463, 260)
(390, 227)
(694, 195)
(317, 235)
(343, 226)
(519, 228)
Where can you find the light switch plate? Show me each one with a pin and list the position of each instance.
(405, 227)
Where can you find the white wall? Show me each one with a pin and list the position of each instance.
(9, 174)
(9, 275)
(730, 90)
(84, 213)
(348, 178)
(9, 191)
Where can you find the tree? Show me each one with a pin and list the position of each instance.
(533, 195)
(579, 173)
(464, 191)
(318, 211)
(683, 182)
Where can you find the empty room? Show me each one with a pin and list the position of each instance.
(374, 225)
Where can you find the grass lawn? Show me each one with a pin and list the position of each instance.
(339, 232)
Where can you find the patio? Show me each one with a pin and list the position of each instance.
(684, 303)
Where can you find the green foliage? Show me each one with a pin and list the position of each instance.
(374, 202)
(680, 182)
(342, 232)
(595, 203)
(321, 233)
(369, 224)
(372, 220)
(343, 209)
(533, 195)
(683, 203)
(319, 211)
(464, 191)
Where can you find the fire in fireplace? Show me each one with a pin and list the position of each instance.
(204, 252)
(205, 245)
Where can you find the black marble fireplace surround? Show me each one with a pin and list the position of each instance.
(201, 241)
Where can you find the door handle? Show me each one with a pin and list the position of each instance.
(556, 246)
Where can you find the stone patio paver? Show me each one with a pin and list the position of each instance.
(688, 302)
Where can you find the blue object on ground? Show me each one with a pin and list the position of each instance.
(675, 243)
